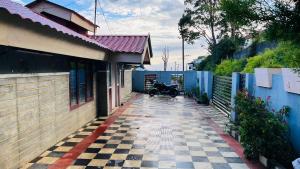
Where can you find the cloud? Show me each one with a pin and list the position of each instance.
(157, 17)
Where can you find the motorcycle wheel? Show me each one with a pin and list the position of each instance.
(152, 92)
(174, 93)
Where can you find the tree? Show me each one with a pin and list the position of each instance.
(225, 23)
(200, 20)
(165, 57)
(283, 19)
(221, 23)
(238, 16)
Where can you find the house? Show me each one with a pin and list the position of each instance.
(55, 77)
(63, 16)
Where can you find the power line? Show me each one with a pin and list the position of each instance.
(104, 17)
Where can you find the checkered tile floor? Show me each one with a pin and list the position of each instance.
(157, 132)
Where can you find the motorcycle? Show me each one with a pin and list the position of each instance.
(161, 88)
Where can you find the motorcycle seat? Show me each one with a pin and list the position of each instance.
(172, 85)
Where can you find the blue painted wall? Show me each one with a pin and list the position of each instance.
(208, 83)
(138, 79)
(234, 91)
(280, 98)
(200, 82)
(205, 82)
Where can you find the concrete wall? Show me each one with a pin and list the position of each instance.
(190, 79)
(127, 89)
(35, 114)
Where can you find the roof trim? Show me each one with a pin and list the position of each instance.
(150, 46)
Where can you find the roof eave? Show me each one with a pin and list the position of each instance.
(150, 46)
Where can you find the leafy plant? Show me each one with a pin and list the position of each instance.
(223, 50)
(197, 92)
(227, 67)
(189, 93)
(287, 54)
(200, 20)
(262, 131)
(206, 64)
(203, 99)
(291, 52)
(283, 20)
(243, 15)
(194, 92)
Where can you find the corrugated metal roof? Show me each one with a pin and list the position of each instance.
(25, 13)
(128, 44)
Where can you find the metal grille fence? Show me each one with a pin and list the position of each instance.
(222, 93)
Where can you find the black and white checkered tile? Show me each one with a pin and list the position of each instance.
(152, 133)
(65, 145)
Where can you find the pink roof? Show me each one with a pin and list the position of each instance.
(128, 44)
(25, 13)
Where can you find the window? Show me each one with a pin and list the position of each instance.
(73, 84)
(81, 83)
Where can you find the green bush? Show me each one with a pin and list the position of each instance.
(203, 99)
(227, 67)
(292, 55)
(263, 132)
(207, 64)
(287, 54)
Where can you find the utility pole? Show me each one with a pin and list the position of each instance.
(182, 62)
(182, 53)
(95, 18)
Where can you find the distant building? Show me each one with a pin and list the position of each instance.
(192, 65)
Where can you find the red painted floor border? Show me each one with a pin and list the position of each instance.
(235, 145)
(67, 160)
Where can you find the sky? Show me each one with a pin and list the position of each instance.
(159, 18)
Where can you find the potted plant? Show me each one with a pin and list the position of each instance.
(263, 76)
(291, 80)
(203, 99)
